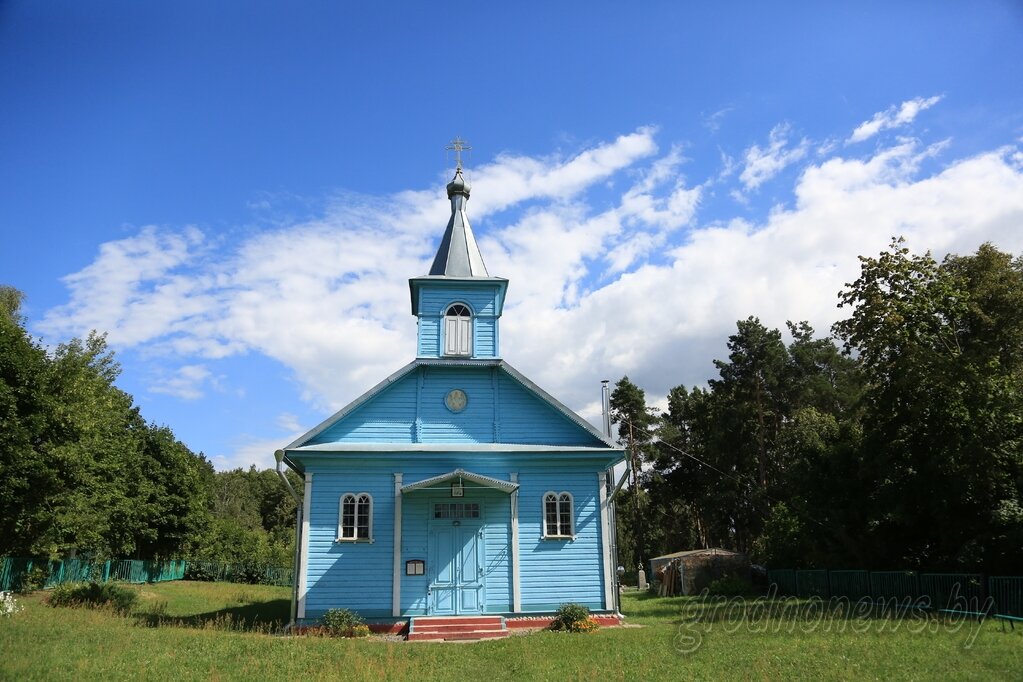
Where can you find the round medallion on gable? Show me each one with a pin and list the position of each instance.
(456, 400)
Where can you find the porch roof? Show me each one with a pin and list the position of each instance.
(485, 481)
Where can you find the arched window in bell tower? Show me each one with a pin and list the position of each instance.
(458, 330)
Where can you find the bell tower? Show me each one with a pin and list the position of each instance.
(458, 304)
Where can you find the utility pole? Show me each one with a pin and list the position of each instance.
(635, 495)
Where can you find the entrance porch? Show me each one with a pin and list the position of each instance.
(456, 545)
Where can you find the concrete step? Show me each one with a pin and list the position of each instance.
(458, 628)
(456, 636)
(456, 620)
(424, 628)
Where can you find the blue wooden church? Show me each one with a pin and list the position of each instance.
(456, 486)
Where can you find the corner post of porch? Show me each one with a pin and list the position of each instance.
(303, 556)
(516, 587)
(396, 554)
(605, 541)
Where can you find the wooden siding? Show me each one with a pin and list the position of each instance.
(500, 410)
(527, 419)
(481, 298)
(354, 575)
(474, 424)
(429, 337)
(359, 575)
(388, 418)
(556, 571)
(485, 337)
(417, 512)
(434, 302)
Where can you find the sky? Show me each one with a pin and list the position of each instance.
(236, 193)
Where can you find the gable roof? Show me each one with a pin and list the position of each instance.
(508, 370)
(479, 479)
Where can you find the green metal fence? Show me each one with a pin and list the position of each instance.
(266, 575)
(900, 586)
(1007, 593)
(853, 585)
(960, 593)
(18, 573)
(812, 584)
(785, 579)
(953, 592)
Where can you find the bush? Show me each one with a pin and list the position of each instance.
(32, 580)
(248, 574)
(200, 572)
(94, 595)
(729, 585)
(574, 618)
(344, 623)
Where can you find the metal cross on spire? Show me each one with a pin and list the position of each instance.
(458, 145)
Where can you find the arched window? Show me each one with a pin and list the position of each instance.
(458, 330)
(355, 517)
(557, 515)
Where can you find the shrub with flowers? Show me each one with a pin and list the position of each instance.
(344, 623)
(9, 605)
(574, 618)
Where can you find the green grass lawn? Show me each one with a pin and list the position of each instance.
(185, 631)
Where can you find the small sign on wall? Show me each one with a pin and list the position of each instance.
(415, 567)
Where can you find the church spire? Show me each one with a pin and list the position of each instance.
(458, 304)
(458, 255)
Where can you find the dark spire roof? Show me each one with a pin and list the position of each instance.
(458, 255)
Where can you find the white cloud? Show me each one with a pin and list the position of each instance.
(186, 383)
(712, 122)
(892, 117)
(762, 164)
(633, 282)
(252, 451)
(136, 275)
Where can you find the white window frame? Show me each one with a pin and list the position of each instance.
(357, 501)
(454, 326)
(559, 501)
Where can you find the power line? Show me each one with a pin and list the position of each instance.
(734, 477)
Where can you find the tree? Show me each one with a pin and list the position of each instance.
(80, 469)
(27, 412)
(940, 347)
(635, 430)
(752, 384)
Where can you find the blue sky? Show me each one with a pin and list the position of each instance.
(237, 194)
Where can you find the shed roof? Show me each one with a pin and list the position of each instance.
(696, 552)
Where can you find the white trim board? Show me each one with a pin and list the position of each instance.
(516, 583)
(303, 587)
(396, 550)
(605, 541)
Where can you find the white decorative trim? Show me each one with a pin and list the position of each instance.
(570, 535)
(516, 583)
(485, 481)
(396, 553)
(340, 515)
(605, 541)
(303, 566)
